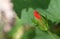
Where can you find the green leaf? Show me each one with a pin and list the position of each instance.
(52, 12)
(27, 16)
(45, 35)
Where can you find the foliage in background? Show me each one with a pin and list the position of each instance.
(49, 9)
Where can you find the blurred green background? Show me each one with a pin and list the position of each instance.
(49, 9)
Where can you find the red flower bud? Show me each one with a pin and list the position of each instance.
(37, 15)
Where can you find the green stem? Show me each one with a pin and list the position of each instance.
(54, 37)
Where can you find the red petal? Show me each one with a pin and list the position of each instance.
(37, 15)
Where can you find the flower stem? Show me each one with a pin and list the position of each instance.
(51, 34)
